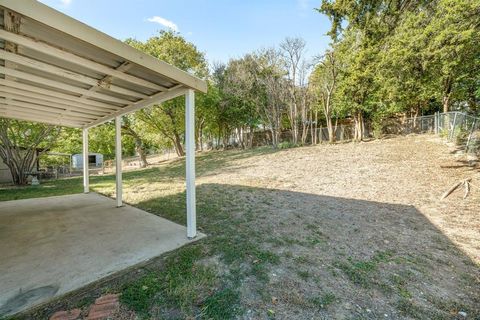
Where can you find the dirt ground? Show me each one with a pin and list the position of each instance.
(344, 231)
(405, 171)
(361, 227)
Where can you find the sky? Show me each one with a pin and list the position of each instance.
(222, 29)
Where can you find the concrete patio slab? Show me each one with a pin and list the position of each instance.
(51, 246)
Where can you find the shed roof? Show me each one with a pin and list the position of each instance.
(57, 70)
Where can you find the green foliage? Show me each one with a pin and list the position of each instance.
(287, 145)
(322, 302)
(101, 139)
(252, 91)
(404, 56)
(222, 304)
(359, 271)
(177, 285)
(168, 118)
(139, 295)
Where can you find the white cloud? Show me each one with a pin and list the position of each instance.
(66, 2)
(303, 4)
(162, 21)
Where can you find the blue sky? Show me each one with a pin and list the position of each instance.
(223, 29)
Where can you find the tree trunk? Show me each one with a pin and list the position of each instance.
(447, 91)
(22, 160)
(359, 126)
(200, 135)
(415, 113)
(250, 138)
(331, 130)
(19, 163)
(312, 129)
(275, 137)
(177, 143)
(139, 148)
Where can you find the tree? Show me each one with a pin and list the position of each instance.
(454, 35)
(269, 81)
(21, 143)
(130, 127)
(325, 80)
(360, 33)
(293, 50)
(240, 98)
(168, 117)
(168, 120)
(404, 56)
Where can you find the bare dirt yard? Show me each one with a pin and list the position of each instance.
(360, 227)
(345, 231)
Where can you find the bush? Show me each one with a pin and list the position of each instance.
(287, 145)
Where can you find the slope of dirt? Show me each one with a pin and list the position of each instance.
(361, 229)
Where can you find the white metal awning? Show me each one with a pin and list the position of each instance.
(57, 70)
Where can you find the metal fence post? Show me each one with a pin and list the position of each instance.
(471, 134)
(453, 127)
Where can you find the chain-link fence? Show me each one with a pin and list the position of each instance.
(461, 129)
(457, 127)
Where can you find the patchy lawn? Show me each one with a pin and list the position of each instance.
(347, 231)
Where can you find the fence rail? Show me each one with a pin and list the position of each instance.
(461, 129)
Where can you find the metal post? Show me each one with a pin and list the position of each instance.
(118, 161)
(471, 134)
(190, 163)
(453, 126)
(86, 184)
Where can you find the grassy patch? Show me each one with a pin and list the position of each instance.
(178, 285)
(360, 271)
(188, 285)
(323, 301)
(400, 284)
(139, 295)
(223, 304)
(303, 274)
(409, 308)
(301, 260)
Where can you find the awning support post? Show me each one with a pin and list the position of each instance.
(118, 161)
(190, 163)
(86, 184)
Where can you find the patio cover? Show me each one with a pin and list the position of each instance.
(57, 70)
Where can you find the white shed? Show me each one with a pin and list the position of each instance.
(95, 160)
